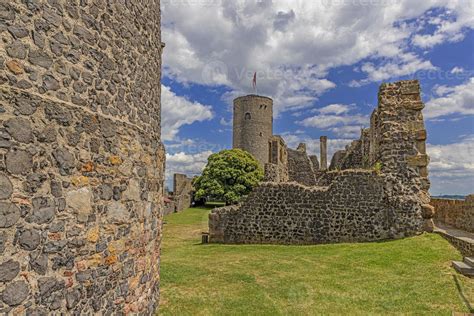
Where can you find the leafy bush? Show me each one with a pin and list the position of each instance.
(228, 176)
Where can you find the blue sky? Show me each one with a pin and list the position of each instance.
(322, 62)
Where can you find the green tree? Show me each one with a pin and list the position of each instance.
(229, 175)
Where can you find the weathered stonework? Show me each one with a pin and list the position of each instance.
(253, 126)
(300, 166)
(379, 189)
(182, 194)
(81, 161)
(456, 213)
(276, 170)
(351, 209)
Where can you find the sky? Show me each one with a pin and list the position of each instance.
(322, 62)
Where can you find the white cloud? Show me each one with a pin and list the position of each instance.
(177, 143)
(450, 25)
(451, 100)
(178, 111)
(335, 109)
(457, 70)
(337, 119)
(293, 44)
(189, 164)
(225, 123)
(405, 65)
(325, 121)
(347, 131)
(452, 167)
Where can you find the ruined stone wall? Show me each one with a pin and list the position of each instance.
(355, 155)
(353, 158)
(300, 166)
(169, 208)
(399, 147)
(182, 192)
(351, 209)
(394, 156)
(277, 169)
(81, 162)
(395, 146)
(315, 162)
(455, 213)
(253, 126)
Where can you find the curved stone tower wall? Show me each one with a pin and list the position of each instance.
(81, 161)
(253, 126)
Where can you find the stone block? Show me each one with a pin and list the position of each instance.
(80, 201)
(93, 234)
(15, 67)
(414, 105)
(410, 89)
(6, 187)
(133, 192)
(421, 135)
(9, 214)
(117, 213)
(418, 161)
(427, 211)
(15, 293)
(9, 270)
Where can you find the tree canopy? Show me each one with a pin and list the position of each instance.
(228, 176)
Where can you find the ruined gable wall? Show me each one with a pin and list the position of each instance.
(315, 162)
(182, 189)
(300, 167)
(350, 158)
(277, 169)
(81, 162)
(395, 146)
(456, 213)
(352, 209)
(398, 144)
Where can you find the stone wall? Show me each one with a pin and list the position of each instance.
(394, 145)
(182, 192)
(455, 213)
(81, 162)
(387, 199)
(351, 209)
(277, 168)
(350, 158)
(464, 245)
(397, 143)
(300, 166)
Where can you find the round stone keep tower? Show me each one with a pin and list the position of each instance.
(253, 125)
(81, 157)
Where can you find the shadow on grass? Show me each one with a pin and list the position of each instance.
(461, 294)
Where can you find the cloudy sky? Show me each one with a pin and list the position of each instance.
(322, 62)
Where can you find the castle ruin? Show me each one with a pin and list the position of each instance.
(182, 196)
(376, 189)
(81, 158)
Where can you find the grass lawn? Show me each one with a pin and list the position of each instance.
(410, 276)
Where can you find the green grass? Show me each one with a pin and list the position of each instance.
(410, 276)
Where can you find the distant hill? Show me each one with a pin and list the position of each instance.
(450, 197)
